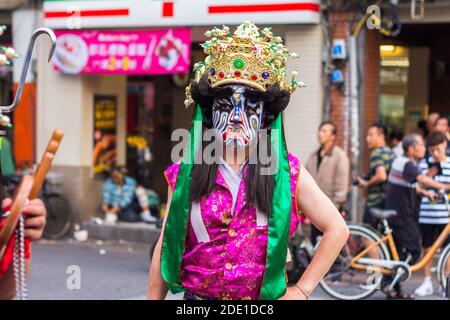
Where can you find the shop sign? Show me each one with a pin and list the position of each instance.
(82, 14)
(105, 134)
(151, 52)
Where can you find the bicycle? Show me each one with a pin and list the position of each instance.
(368, 256)
(59, 215)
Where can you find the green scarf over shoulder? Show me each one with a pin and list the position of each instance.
(274, 282)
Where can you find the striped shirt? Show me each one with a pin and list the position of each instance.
(401, 192)
(435, 212)
(115, 195)
(379, 157)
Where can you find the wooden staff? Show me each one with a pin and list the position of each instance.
(46, 162)
(20, 197)
(29, 189)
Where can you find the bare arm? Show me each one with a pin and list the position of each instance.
(323, 214)
(423, 192)
(379, 177)
(428, 182)
(157, 288)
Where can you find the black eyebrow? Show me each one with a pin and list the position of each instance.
(220, 92)
(224, 99)
(254, 94)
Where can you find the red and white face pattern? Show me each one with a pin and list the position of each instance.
(237, 119)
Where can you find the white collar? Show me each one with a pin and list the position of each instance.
(225, 165)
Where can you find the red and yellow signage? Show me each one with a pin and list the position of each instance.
(80, 14)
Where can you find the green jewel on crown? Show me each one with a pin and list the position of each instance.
(238, 63)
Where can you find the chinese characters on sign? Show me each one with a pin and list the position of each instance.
(105, 116)
(123, 52)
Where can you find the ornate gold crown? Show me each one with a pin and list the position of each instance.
(250, 56)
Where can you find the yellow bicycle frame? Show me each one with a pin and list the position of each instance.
(393, 249)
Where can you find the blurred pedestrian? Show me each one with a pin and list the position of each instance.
(380, 162)
(422, 128)
(330, 168)
(402, 196)
(433, 215)
(442, 125)
(144, 197)
(431, 121)
(395, 141)
(118, 195)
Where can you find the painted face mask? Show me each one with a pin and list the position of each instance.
(237, 119)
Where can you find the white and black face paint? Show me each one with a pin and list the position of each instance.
(237, 119)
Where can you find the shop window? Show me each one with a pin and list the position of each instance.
(393, 86)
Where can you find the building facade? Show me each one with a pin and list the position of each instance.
(66, 101)
(395, 78)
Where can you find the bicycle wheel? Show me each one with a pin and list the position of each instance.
(443, 268)
(59, 217)
(347, 283)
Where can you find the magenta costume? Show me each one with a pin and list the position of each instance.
(226, 244)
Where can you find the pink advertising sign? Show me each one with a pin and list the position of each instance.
(123, 52)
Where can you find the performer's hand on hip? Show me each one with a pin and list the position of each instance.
(293, 293)
(35, 214)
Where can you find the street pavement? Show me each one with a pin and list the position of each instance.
(106, 270)
(112, 270)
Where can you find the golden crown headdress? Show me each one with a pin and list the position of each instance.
(250, 56)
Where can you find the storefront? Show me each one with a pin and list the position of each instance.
(414, 76)
(115, 110)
